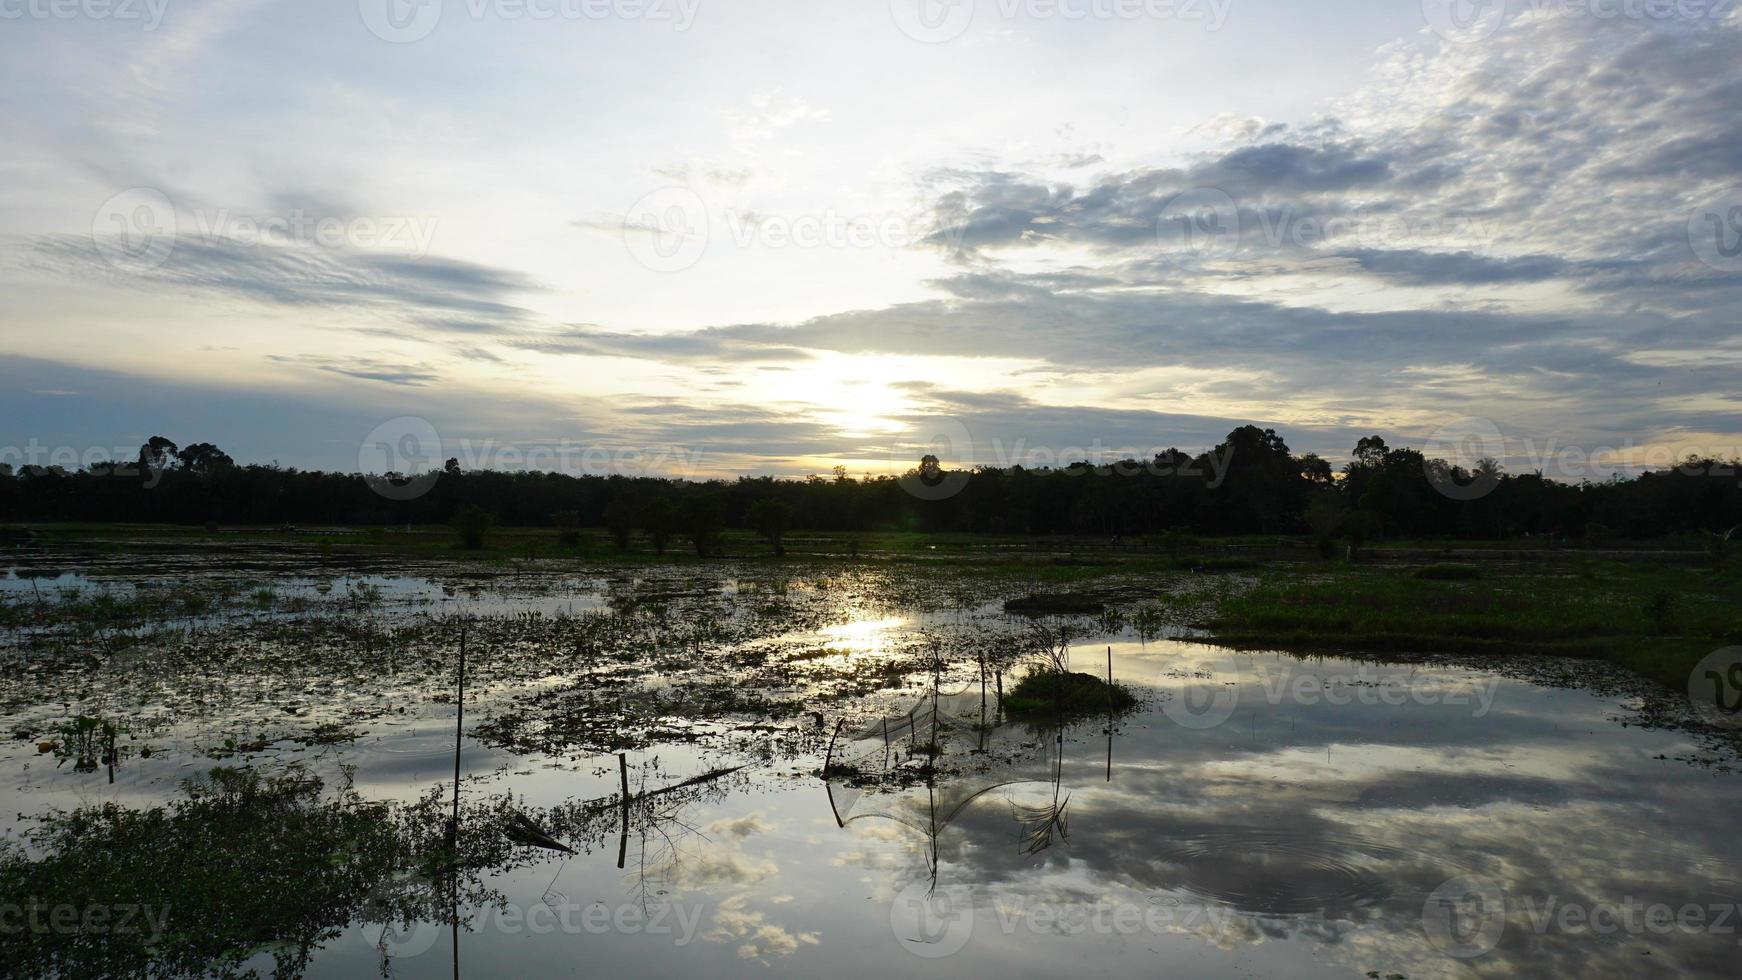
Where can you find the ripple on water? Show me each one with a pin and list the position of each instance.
(1268, 871)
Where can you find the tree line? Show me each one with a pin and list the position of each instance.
(1251, 483)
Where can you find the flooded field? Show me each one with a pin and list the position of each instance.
(247, 762)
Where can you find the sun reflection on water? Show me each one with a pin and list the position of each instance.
(862, 635)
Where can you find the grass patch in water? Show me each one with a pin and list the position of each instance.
(1042, 693)
(1054, 603)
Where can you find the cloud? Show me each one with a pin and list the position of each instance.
(1425, 268)
(442, 293)
(365, 369)
(704, 345)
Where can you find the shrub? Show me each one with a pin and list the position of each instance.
(770, 518)
(472, 524)
(568, 527)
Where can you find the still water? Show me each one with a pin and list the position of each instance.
(1257, 815)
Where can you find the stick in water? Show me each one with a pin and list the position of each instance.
(623, 840)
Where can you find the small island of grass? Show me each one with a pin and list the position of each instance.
(1044, 693)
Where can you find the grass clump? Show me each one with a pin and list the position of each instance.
(1054, 603)
(1043, 692)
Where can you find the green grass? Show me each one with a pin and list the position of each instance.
(1657, 619)
(1042, 693)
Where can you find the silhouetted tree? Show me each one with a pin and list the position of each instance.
(1250, 483)
(568, 524)
(203, 457)
(703, 517)
(620, 521)
(472, 524)
(158, 453)
(659, 520)
(770, 517)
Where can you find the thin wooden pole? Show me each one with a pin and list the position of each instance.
(1109, 714)
(623, 839)
(459, 733)
(1109, 679)
(454, 822)
(829, 757)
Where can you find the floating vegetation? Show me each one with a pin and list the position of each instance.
(244, 863)
(1055, 603)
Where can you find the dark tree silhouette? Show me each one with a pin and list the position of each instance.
(769, 517)
(1250, 483)
(620, 521)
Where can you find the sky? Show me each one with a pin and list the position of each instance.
(699, 238)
